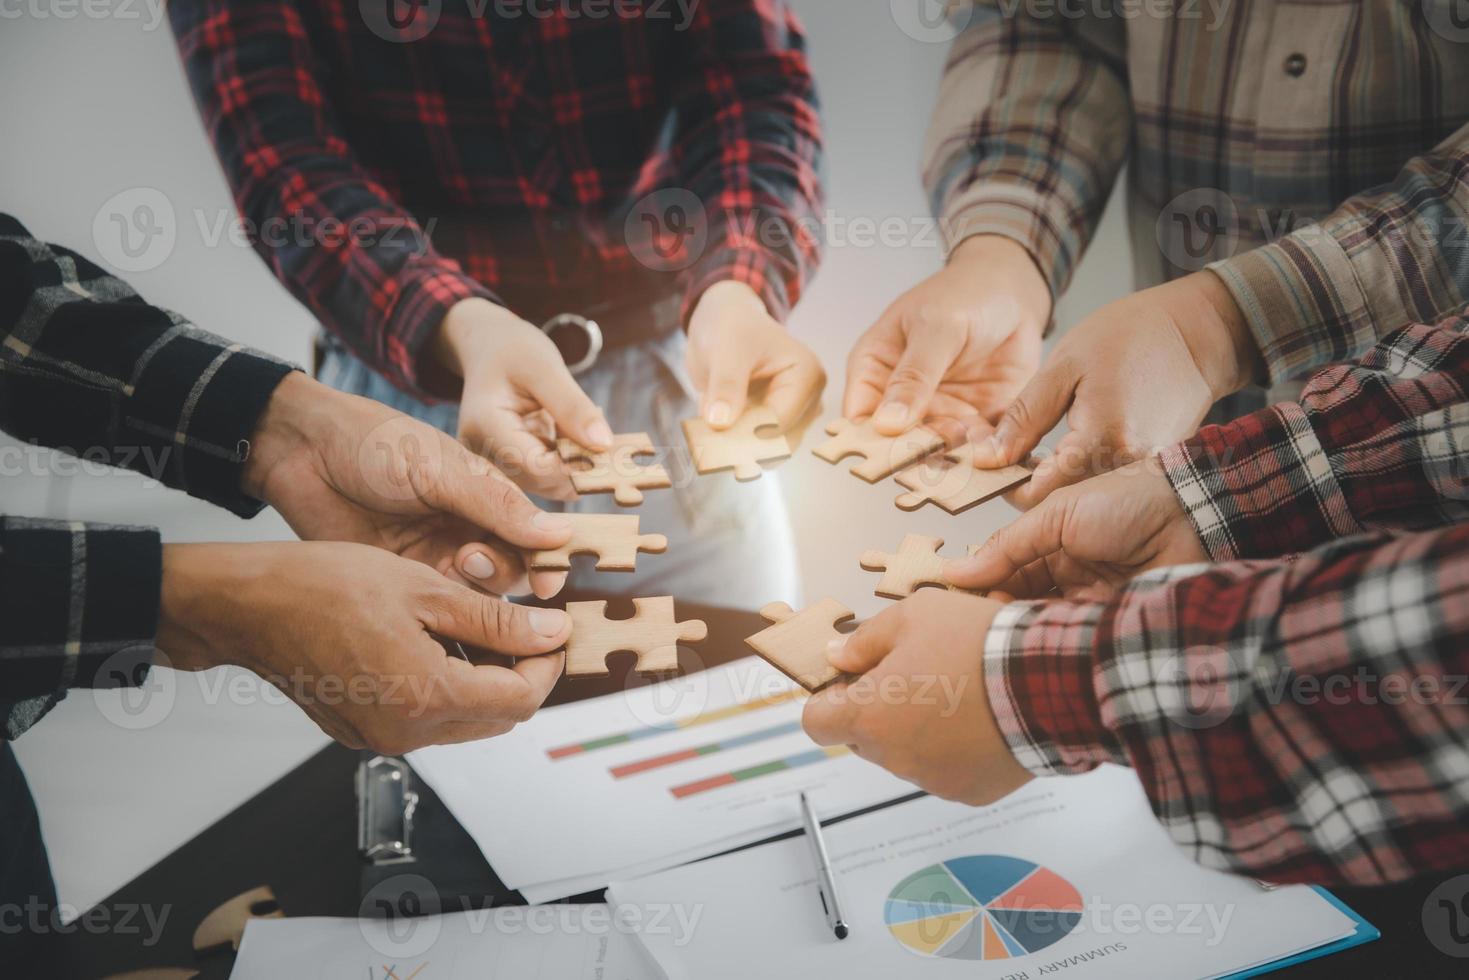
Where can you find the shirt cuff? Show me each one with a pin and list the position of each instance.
(1019, 213)
(1304, 302)
(1039, 671)
(739, 262)
(78, 608)
(1261, 486)
(420, 300)
(194, 408)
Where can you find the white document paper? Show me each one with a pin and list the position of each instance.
(562, 942)
(1068, 877)
(653, 777)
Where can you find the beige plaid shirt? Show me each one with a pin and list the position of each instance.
(1315, 154)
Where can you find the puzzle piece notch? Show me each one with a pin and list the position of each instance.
(615, 470)
(796, 643)
(613, 538)
(652, 633)
(882, 455)
(740, 447)
(951, 480)
(916, 564)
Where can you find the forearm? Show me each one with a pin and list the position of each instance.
(1392, 255)
(749, 147)
(95, 371)
(330, 232)
(1050, 97)
(78, 608)
(1376, 445)
(1256, 702)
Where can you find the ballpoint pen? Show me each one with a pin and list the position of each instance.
(826, 885)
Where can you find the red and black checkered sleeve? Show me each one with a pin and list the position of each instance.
(1299, 721)
(328, 230)
(1379, 444)
(749, 147)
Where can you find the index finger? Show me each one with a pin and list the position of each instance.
(484, 692)
(472, 489)
(1012, 548)
(828, 716)
(793, 391)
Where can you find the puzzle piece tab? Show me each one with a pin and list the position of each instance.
(951, 480)
(652, 633)
(883, 455)
(613, 538)
(615, 470)
(916, 564)
(796, 644)
(740, 447)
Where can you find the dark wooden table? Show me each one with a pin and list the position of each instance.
(299, 837)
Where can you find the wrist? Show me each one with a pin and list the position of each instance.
(1005, 260)
(293, 421)
(731, 295)
(1220, 337)
(464, 329)
(204, 585)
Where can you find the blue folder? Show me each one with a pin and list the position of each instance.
(1366, 932)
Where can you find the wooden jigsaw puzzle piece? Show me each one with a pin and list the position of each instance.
(916, 564)
(740, 447)
(796, 643)
(883, 455)
(613, 538)
(951, 480)
(651, 632)
(615, 470)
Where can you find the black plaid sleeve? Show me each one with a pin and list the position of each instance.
(78, 608)
(87, 367)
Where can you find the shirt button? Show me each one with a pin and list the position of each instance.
(1295, 65)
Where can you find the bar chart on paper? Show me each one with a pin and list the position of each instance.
(673, 771)
(982, 907)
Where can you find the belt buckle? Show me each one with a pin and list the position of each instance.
(590, 339)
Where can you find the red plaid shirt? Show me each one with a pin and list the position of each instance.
(1299, 719)
(522, 139)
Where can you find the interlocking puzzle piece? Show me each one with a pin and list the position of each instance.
(916, 564)
(615, 470)
(796, 644)
(652, 633)
(613, 538)
(951, 480)
(740, 447)
(884, 455)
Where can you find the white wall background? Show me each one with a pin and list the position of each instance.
(98, 106)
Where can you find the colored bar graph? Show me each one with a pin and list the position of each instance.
(693, 721)
(755, 772)
(709, 748)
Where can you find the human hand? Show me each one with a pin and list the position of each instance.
(518, 396)
(348, 633)
(343, 468)
(1086, 540)
(1135, 375)
(734, 343)
(920, 708)
(959, 345)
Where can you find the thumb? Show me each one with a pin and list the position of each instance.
(1033, 413)
(576, 417)
(1033, 536)
(925, 361)
(865, 648)
(493, 624)
(727, 387)
(473, 490)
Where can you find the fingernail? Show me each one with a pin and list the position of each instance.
(547, 622)
(548, 521)
(551, 584)
(835, 647)
(893, 413)
(600, 433)
(719, 413)
(995, 445)
(478, 565)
